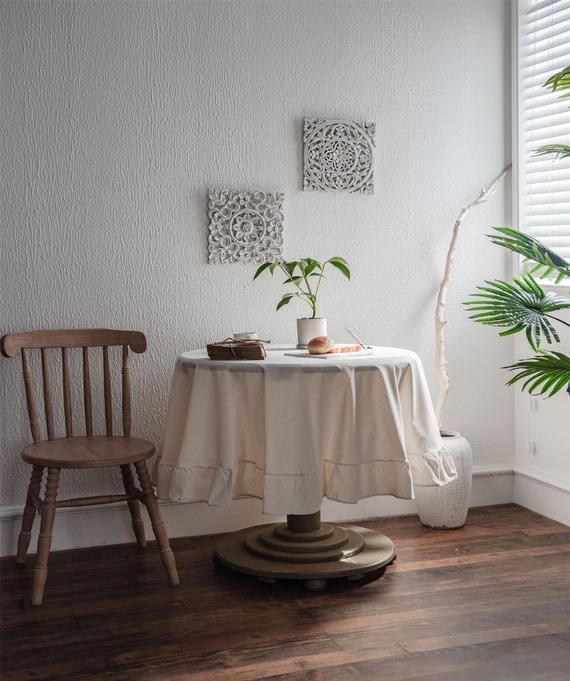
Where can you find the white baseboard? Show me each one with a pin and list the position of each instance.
(110, 524)
(541, 493)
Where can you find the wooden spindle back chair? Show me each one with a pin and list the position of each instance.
(78, 451)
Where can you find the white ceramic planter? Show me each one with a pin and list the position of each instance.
(308, 328)
(446, 507)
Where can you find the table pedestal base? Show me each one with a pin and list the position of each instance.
(305, 549)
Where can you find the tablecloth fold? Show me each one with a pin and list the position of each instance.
(291, 431)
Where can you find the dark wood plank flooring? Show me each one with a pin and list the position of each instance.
(489, 602)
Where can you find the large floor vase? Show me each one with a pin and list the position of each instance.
(446, 507)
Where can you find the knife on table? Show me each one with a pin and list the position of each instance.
(357, 339)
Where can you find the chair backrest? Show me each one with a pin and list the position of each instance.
(64, 340)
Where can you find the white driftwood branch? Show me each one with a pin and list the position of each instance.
(440, 308)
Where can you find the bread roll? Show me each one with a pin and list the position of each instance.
(320, 345)
(345, 347)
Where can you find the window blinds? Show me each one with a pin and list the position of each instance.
(544, 118)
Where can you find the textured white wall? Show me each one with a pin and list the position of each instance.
(542, 446)
(542, 442)
(118, 116)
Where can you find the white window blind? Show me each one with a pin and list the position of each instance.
(544, 118)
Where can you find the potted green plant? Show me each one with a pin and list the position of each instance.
(522, 305)
(305, 278)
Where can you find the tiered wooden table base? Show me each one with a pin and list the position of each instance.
(305, 549)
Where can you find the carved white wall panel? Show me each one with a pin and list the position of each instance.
(245, 227)
(338, 156)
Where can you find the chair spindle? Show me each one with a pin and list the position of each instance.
(87, 394)
(66, 394)
(81, 452)
(48, 407)
(35, 425)
(44, 539)
(126, 375)
(107, 392)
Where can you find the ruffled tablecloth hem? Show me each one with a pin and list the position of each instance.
(292, 430)
(343, 482)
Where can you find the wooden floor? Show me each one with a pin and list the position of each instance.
(489, 602)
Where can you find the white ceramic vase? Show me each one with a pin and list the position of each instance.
(446, 507)
(308, 328)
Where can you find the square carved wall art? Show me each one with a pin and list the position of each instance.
(245, 227)
(338, 156)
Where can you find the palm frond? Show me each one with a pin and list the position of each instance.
(545, 374)
(559, 151)
(559, 81)
(546, 260)
(520, 306)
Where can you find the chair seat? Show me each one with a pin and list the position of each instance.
(88, 452)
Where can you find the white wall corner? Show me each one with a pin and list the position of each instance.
(542, 493)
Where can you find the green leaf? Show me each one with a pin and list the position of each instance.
(521, 306)
(293, 280)
(545, 374)
(337, 258)
(290, 267)
(311, 266)
(559, 81)
(340, 265)
(559, 150)
(285, 300)
(262, 268)
(532, 249)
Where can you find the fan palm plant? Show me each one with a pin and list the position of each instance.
(522, 305)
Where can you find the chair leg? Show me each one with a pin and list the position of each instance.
(44, 542)
(157, 523)
(134, 505)
(29, 514)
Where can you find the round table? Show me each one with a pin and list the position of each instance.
(290, 430)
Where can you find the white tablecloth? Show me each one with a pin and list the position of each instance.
(291, 430)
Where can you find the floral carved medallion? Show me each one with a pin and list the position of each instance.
(245, 227)
(338, 156)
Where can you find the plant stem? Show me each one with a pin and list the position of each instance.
(304, 295)
(312, 296)
(557, 319)
(320, 279)
(317, 289)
